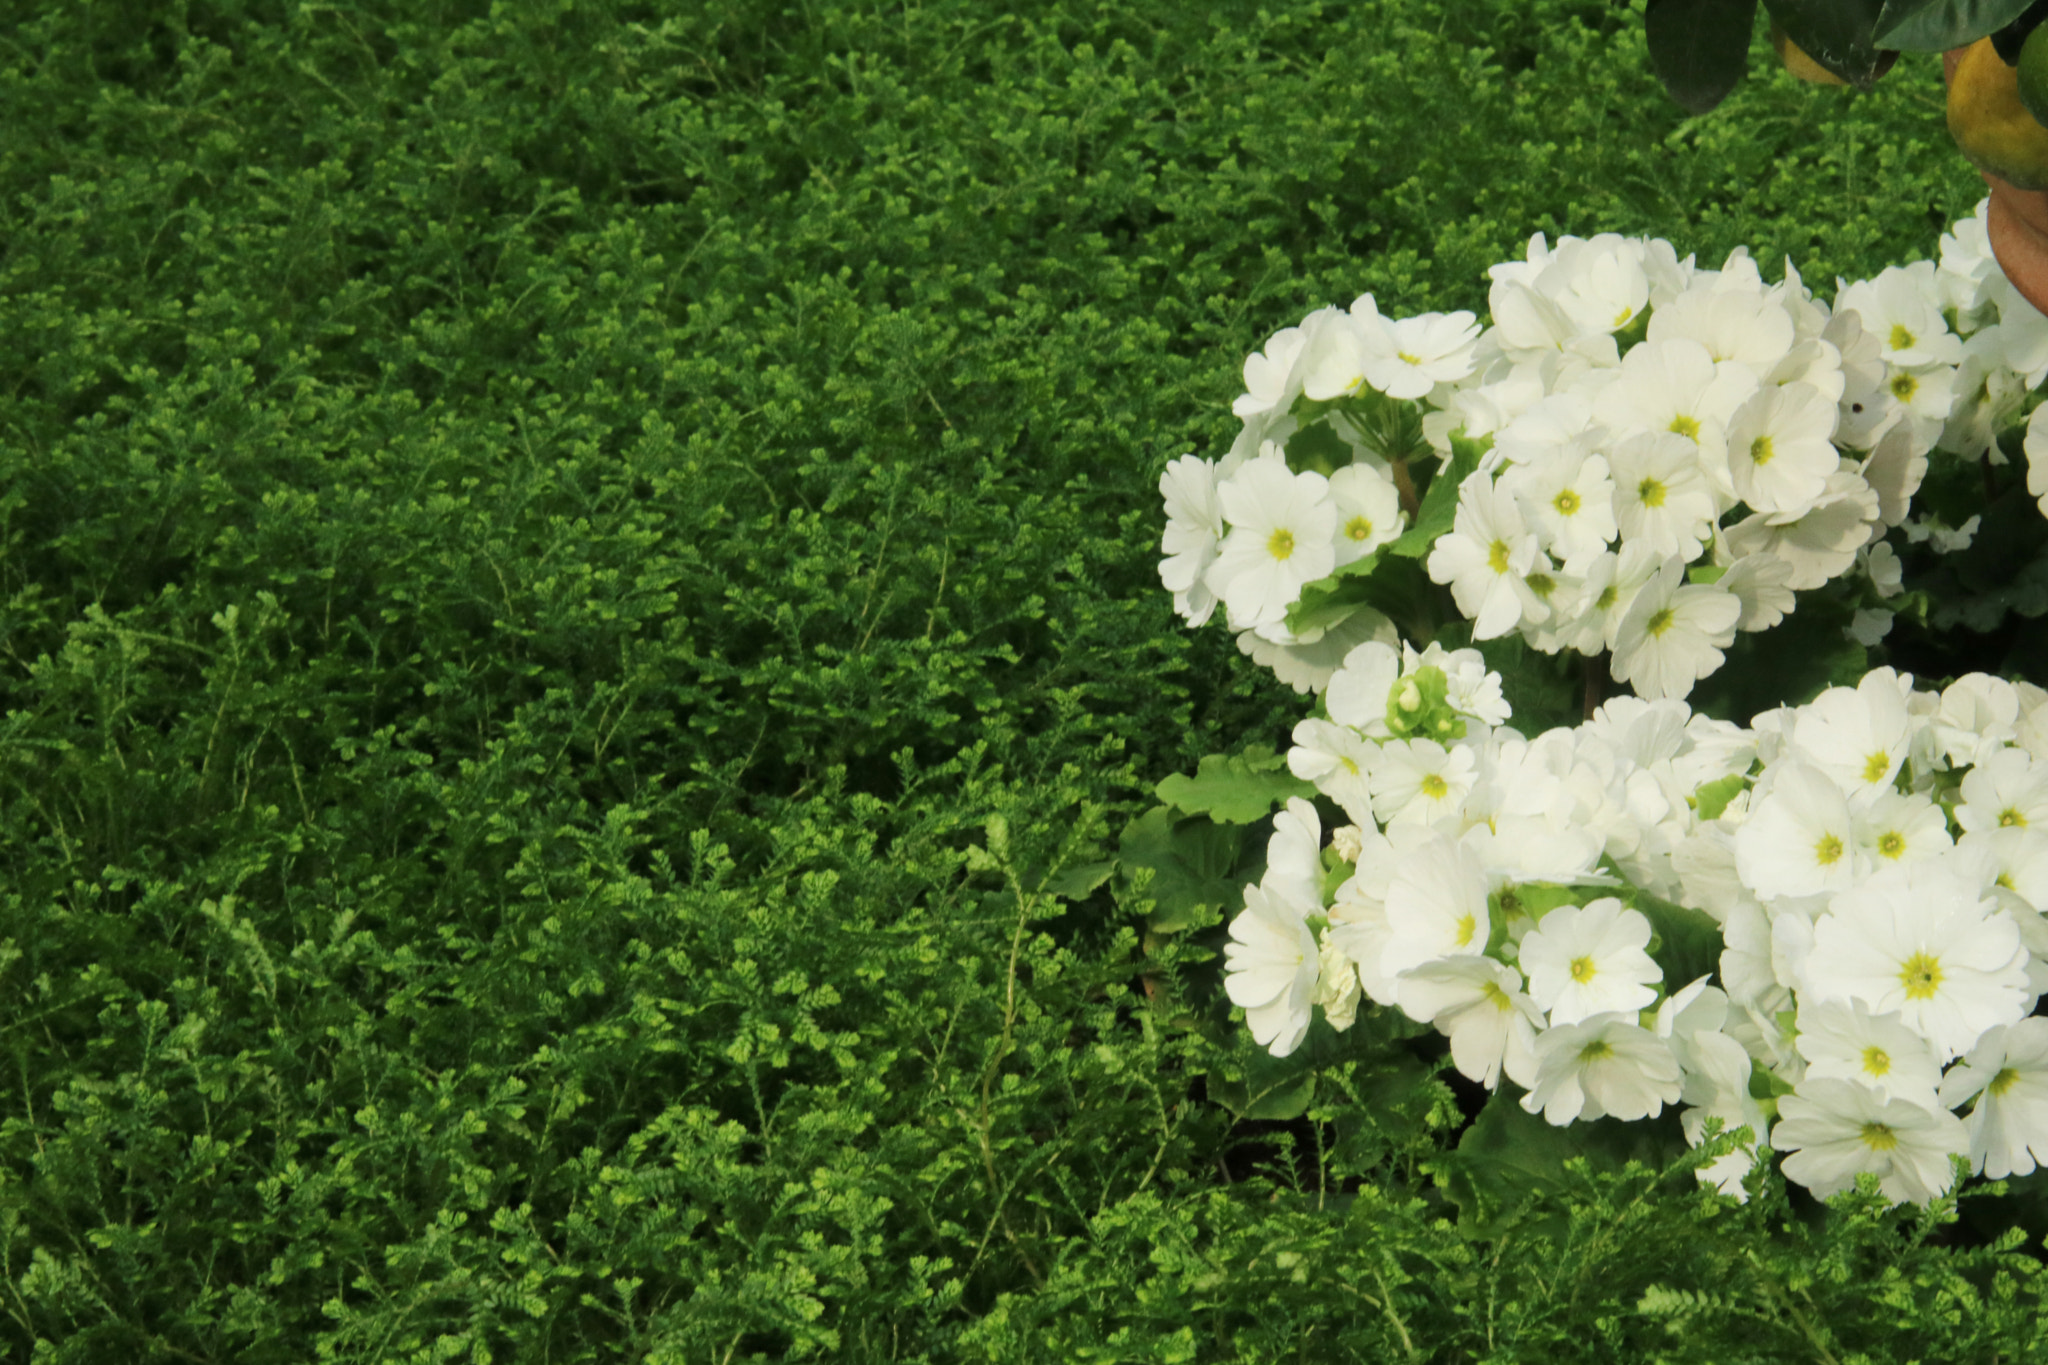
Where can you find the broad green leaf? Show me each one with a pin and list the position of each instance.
(1275, 1098)
(1712, 798)
(1198, 867)
(1074, 883)
(1838, 34)
(1330, 600)
(1699, 48)
(1938, 25)
(1317, 449)
(1688, 943)
(1235, 788)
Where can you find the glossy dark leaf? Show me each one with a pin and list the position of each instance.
(1938, 25)
(1699, 48)
(1838, 34)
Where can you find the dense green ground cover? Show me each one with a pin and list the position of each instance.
(580, 595)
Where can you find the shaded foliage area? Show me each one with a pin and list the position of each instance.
(578, 603)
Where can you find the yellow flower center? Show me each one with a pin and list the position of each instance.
(1651, 492)
(1660, 621)
(1595, 1050)
(1350, 765)
(1902, 340)
(1828, 851)
(1876, 1060)
(2011, 816)
(1542, 584)
(1281, 544)
(1566, 502)
(2005, 1080)
(1876, 766)
(1434, 787)
(1921, 976)
(1623, 316)
(1891, 843)
(1492, 991)
(1904, 386)
(1406, 359)
(1497, 556)
(1609, 595)
(1582, 969)
(1760, 451)
(1878, 1138)
(1685, 426)
(1466, 927)
(1358, 528)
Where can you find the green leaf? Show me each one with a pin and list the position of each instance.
(1439, 510)
(1235, 788)
(1198, 867)
(1938, 25)
(1688, 944)
(1074, 883)
(1712, 798)
(1276, 1095)
(1699, 48)
(1330, 600)
(1838, 34)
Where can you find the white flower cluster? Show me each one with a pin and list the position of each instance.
(1876, 860)
(1669, 452)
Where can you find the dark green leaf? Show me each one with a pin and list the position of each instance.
(1198, 867)
(1838, 34)
(1688, 944)
(1439, 509)
(1699, 48)
(1077, 881)
(1938, 25)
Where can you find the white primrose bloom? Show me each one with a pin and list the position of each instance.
(1877, 1050)
(1880, 564)
(2008, 788)
(1894, 471)
(1867, 409)
(1715, 1084)
(1571, 504)
(1587, 961)
(1675, 386)
(1902, 309)
(1970, 277)
(2035, 448)
(1857, 736)
(1435, 903)
(1799, 839)
(2016, 859)
(1282, 528)
(1419, 781)
(1673, 633)
(1821, 544)
(1358, 916)
(1272, 380)
(1271, 966)
(1368, 511)
(1919, 940)
(1477, 1002)
(1474, 688)
(1600, 1067)
(1752, 329)
(1307, 665)
(1294, 858)
(1338, 760)
(1193, 535)
(2008, 1073)
(1901, 827)
(1359, 690)
(1979, 715)
(1660, 499)
(1988, 395)
(1409, 357)
(1781, 449)
(1334, 352)
(1836, 1129)
(1484, 557)
(1762, 584)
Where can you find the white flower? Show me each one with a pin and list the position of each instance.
(1368, 510)
(1484, 557)
(1798, 839)
(1858, 736)
(1193, 536)
(1732, 324)
(1271, 966)
(2008, 788)
(1894, 472)
(1978, 716)
(1282, 528)
(1877, 1050)
(1660, 500)
(1478, 1004)
(1409, 357)
(1294, 858)
(2035, 447)
(1308, 666)
(1359, 689)
(1587, 961)
(1900, 827)
(1338, 761)
(1571, 502)
(1837, 1129)
(1675, 386)
(1271, 379)
(1780, 448)
(2008, 1068)
(1919, 940)
(1436, 905)
(1821, 544)
(1673, 633)
(1421, 781)
(1599, 1067)
(1761, 583)
(1902, 309)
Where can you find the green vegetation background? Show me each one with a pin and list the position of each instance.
(537, 539)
